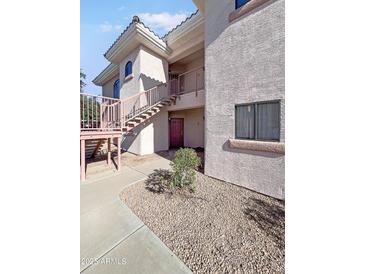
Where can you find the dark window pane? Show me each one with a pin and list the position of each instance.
(268, 121)
(240, 3)
(128, 68)
(245, 122)
(116, 89)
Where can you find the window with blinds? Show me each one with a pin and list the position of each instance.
(258, 121)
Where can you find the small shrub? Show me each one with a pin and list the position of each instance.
(184, 164)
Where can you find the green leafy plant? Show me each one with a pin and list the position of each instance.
(184, 164)
(82, 78)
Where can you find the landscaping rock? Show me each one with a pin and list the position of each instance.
(221, 228)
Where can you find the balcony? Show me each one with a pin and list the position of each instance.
(189, 86)
(190, 81)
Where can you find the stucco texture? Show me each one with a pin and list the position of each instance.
(150, 136)
(149, 69)
(244, 62)
(108, 88)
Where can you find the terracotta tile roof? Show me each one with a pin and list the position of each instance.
(108, 67)
(120, 36)
(136, 20)
(187, 19)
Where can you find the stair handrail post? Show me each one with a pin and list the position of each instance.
(101, 114)
(196, 83)
(123, 113)
(92, 112)
(178, 84)
(83, 112)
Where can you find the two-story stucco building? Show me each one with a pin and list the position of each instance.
(216, 81)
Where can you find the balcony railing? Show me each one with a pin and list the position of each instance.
(190, 81)
(134, 105)
(99, 113)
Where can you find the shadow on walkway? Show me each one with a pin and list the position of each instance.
(157, 181)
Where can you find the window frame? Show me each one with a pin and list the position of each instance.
(114, 85)
(126, 67)
(236, 4)
(255, 104)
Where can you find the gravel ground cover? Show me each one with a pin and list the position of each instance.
(221, 228)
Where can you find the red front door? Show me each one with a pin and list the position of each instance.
(176, 132)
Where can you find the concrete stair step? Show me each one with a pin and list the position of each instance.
(145, 115)
(138, 119)
(133, 124)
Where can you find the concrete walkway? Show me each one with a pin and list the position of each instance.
(113, 238)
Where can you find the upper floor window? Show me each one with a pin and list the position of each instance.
(240, 3)
(116, 89)
(258, 121)
(128, 69)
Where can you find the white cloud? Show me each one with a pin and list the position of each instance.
(164, 20)
(106, 27)
(121, 8)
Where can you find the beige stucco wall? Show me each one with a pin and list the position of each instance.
(149, 69)
(197, 63)
(153, 69)
(195, 60)
(131, 86)
(150, 136)
(244, 62)
(108, 88)
(193, 126)
(153, 135)
(188, 100)
(128, 87)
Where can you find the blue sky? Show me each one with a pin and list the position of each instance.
(101, 22)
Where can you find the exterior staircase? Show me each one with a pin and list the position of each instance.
(101, 114)
(94, 147)
(146, 114)
(103, 118)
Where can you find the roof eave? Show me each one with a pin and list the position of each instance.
(137, 32)
(181, 30)
(110, 71)
(200, 5)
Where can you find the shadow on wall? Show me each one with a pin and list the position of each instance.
(160, 141)
(148, 82)
(269, 218)
(226, 147)
(160, 131)
(130, 138)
